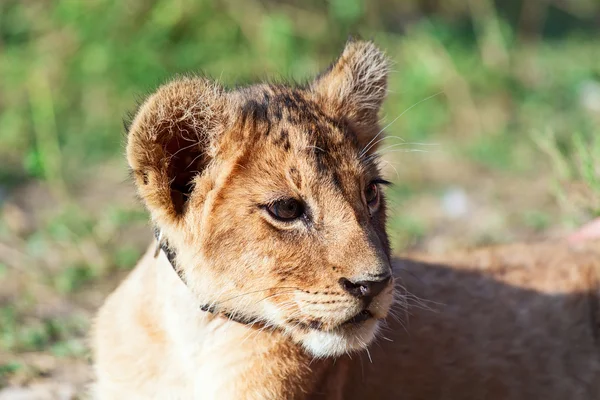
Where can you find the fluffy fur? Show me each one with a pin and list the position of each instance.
(208, 163)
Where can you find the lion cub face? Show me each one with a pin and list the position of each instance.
(271, 198)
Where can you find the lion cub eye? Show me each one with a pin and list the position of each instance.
(372, 194)
(286, 210)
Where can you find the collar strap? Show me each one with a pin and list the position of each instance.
(162, 244)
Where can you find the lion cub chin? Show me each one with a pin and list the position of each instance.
(332, 344)
(271, 274)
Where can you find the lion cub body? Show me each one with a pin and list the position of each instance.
(275, 274)
(512, 322)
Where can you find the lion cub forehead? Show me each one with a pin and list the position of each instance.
(296, 144)
(293, 120)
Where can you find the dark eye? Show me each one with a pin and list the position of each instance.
(372, 194)
(286, 210)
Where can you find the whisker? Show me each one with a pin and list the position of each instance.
(369, 146)
(394, 168)
(405, 151)
(260, 290)
(380, 151)
(274, 295)
(368, 353)
(386, 138)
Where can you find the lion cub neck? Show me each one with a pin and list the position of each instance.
(190, 353)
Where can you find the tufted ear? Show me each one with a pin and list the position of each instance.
(355, 86)
(171, 140)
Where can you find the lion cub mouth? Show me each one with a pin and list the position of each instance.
(354, 321)
(359, 318)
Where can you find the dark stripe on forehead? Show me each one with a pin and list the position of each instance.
(256, 114)
(283, 140)
(321, 162)
(296, 178)
(335, 177)
(327, 168)
(299, 109)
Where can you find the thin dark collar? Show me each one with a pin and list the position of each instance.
(162, 244)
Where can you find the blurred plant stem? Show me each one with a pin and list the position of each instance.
(489, 35)
(46, 137)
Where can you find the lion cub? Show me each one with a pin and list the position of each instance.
(271, 274)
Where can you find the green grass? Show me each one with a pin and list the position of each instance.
(576, 172)
(510, 104)
(17, 336)
(8, 369)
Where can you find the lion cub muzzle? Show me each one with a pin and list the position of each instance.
(365, 290)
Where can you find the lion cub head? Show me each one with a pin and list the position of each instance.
(270, 197)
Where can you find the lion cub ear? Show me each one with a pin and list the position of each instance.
(355, 86)
(171, 140)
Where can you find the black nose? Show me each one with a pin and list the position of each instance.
(365, 289)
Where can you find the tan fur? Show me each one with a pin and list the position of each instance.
(514, 322)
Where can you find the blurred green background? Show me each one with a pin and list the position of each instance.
(497, 105)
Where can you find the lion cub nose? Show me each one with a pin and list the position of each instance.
(365, 289)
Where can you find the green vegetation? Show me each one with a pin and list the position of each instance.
(499, 100)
